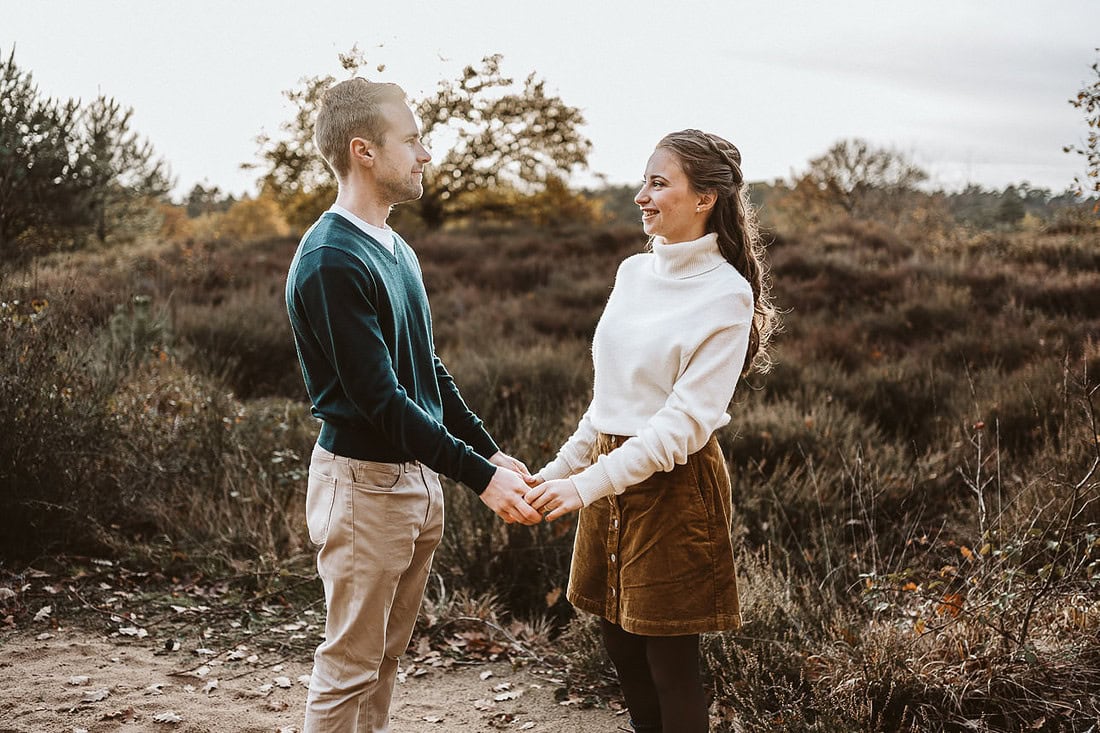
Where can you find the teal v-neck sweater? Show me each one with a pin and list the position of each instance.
(363, 332)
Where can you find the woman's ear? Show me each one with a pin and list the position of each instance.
(706, 201)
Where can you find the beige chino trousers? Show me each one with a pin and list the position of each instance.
(377, 526)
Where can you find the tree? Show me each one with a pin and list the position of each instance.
(861, 179)
(118, 167)
(496, 134)
(39, 187)
(202, 200)
(1088, 100)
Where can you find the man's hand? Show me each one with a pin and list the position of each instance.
(555, 498)
(504, 495)
(503, 460)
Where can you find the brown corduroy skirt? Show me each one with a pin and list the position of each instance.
(658, 559)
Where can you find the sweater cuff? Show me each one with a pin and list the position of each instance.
(484, 445)
(477, 474)
(555, 469)
(593, 483)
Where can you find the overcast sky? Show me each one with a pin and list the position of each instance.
(973, 90)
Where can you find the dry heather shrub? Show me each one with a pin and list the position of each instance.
(907, 399)
(1024, 410)
(59, 437)
(244, 340)
(526, 567)
(928, 315)
(761, 673)
(530, 398)
(765, 434)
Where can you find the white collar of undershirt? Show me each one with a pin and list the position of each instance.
(383, 235)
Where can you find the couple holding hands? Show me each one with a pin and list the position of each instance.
(653, 557)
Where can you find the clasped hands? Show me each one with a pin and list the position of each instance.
(517, 496)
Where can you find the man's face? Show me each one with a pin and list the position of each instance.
(399, 163)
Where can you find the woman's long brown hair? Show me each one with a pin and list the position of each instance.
(714, 164)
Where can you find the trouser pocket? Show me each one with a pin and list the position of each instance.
(320, 497)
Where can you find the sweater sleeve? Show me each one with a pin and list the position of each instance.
(339, 300)
(459, 419)
(683, 425)
(575, 454)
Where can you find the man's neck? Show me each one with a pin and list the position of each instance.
(363, 205)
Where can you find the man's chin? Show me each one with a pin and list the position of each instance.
(408, 195)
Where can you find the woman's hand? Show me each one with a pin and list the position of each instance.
(554, 498)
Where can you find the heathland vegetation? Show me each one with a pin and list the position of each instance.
(915, 483)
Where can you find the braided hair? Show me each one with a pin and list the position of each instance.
(714, 164)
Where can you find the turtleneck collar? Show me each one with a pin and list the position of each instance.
(686, 259)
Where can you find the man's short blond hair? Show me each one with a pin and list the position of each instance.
(350, 109)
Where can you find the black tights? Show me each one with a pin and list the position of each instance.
(660, 680)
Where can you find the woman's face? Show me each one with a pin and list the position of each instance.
(670, 209)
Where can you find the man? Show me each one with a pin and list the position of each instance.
(392, 417)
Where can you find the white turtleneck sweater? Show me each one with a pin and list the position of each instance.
(667, 353)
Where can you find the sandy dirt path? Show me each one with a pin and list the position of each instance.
(78, 680)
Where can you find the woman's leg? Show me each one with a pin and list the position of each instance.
(628, 654)
(674, 669)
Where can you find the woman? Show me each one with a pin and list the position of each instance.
(653, 555)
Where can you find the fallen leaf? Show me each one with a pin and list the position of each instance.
(527, 726)
(202, 652)
(484, 704)
(952, 604)
(264, 689)
(210, 686)
(126, 716)
(486, 674)
(202, 671)
(6, 594)
(77, 680)
(510, 695)
(43, 636)
(283, 682)
(168, 716)
(303, 680)
(433, 719)
(43, 613)
(95, 695)
(155, 689)
(133, 631)
(276, 706)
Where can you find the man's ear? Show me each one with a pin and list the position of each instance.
(362, 151)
